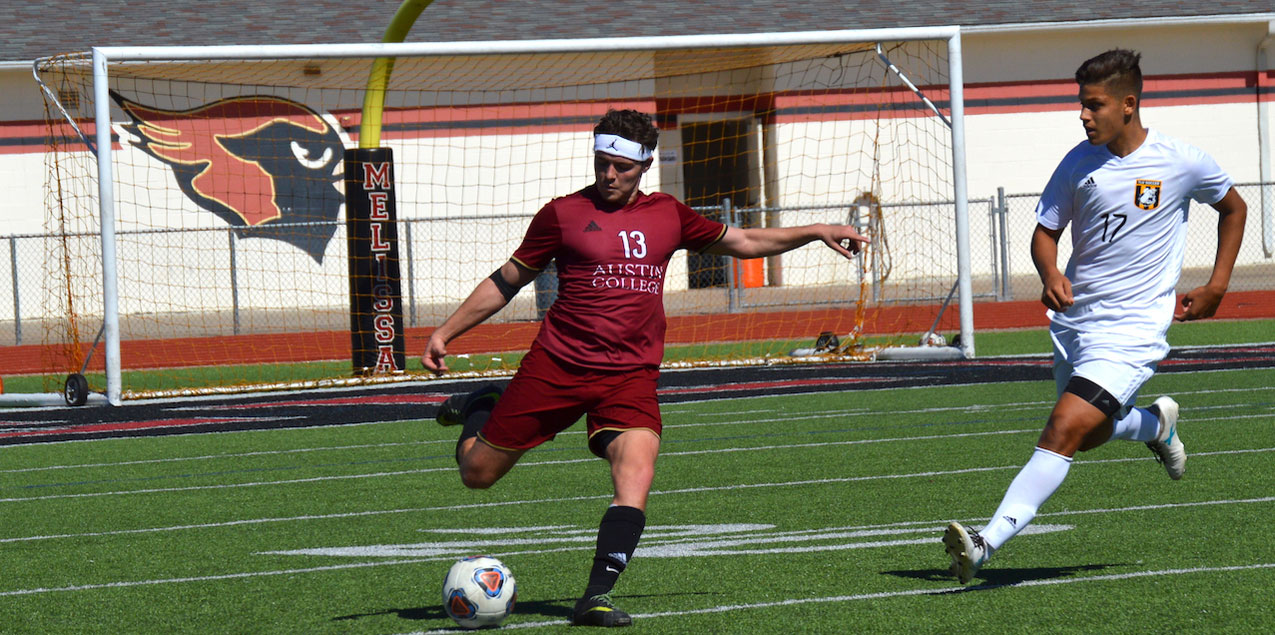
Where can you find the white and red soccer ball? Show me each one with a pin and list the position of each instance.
(479, 591)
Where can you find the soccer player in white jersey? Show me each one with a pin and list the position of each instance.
(1125, 193)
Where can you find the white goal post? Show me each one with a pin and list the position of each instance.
(106, 60)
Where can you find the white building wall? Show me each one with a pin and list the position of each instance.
(1016, 150)
(1226, 131)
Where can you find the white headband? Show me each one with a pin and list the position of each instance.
(620, 147)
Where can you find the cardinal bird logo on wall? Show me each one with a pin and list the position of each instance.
(268, 165)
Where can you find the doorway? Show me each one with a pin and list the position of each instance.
(719, 161)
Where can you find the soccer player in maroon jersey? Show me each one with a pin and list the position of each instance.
(599, 349)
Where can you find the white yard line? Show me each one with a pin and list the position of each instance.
(829, 414)
(318, 479)
(893, 543)
(673, 408)
(668, 410)
(860, 389)
(452, 469)
(203, 578)
(234, 455)
(898, 594)
(257, 521)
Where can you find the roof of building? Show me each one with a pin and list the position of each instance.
(35, 29)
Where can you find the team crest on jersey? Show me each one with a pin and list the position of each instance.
(1146, 194)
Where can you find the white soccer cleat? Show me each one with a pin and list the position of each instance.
(1167, 446)
(968, 551)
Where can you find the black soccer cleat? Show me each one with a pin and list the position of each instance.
(451, 411)
(597, 610)
(455, 410)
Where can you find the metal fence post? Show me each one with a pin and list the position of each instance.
(858, 257)
(874, 220)
(994, 255)
(732, 301)
(17, 307)
(234, 282)
(411, 279)
(1267, 194)
(1006, 271)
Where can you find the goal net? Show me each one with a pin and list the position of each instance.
(222, 260)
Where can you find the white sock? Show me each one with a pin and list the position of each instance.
(1139, 425)
(1035, 483)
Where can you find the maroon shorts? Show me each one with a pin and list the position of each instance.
(547, 396)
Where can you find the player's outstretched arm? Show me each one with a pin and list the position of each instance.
(758, 242)
(1056, 288)
(1202, 302)
(483, 302)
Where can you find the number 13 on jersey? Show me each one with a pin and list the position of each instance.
(634, 244)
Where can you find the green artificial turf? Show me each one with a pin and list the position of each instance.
(804, 513)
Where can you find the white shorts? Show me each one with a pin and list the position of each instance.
(1119, 363)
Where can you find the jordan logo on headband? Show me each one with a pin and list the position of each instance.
(619, 146)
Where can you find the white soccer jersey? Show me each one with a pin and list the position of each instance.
(1128, 229)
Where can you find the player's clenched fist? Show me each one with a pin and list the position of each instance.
(433, 358)
(1056, 295)
(1198, 304)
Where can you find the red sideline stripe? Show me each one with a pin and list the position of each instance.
(374, 400)
(1225, 360)
(122, 425)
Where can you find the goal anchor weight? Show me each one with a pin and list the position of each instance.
(76, 389)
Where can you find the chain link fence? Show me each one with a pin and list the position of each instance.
(921, 269)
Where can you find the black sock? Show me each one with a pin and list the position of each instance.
(476, 410)
(618, 535)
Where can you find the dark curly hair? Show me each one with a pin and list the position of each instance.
(630, 124)
(1117, 68)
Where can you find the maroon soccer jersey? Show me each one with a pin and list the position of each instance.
(611, 265)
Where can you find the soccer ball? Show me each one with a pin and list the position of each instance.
(479, 591)
(933, 339)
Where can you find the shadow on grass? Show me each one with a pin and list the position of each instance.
(558, 608)
(546, 608)
(1001, 577)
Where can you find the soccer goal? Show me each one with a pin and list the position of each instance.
(197, 216)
